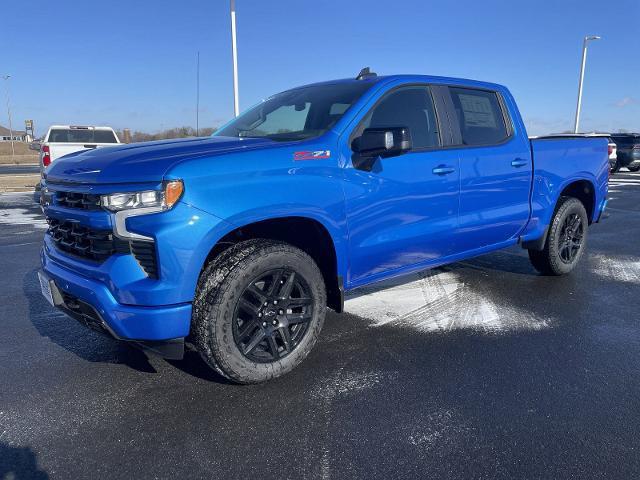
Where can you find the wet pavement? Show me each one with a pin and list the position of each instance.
(482, 369)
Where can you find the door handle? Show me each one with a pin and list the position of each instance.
(443, 170)
(519, 162)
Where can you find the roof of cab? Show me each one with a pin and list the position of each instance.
(408, 78)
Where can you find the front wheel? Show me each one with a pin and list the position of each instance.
(258, 310)
(566, 240)
(634, 168)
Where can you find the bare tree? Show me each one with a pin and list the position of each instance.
(178, 132)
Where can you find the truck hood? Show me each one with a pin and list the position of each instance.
(141, 162)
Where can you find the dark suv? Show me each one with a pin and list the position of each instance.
(628, 151)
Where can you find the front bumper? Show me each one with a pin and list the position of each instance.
(115, 293)
(91, 301)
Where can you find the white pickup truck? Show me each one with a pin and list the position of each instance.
(62, 140)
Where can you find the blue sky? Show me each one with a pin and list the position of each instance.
(133, 63)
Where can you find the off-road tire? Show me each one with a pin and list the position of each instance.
(548, 260)
(220, 287)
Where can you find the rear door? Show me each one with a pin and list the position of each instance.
(404, 212)
(495, 169)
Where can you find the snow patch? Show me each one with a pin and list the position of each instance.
(439, 300)
(348, 383)
(623, 270)
(21, 216)
(436, 430)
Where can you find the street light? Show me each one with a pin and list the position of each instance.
(584, 61)
(234, 54)
(13, 152)
(198, 95)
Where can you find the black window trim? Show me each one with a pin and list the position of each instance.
(455, 125)
(434, 94)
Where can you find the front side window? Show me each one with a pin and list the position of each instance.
(298, 114)
(479, 116)
(410, 107)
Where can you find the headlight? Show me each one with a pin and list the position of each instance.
(161, 199)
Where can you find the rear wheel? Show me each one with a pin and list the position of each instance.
(259, 310)
(566, 240)
(615, 168)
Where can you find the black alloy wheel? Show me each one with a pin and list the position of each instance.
(272, 315)
(566, 239)
(570, 238)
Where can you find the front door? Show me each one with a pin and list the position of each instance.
(404, 212)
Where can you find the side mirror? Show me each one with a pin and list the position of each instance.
(383, 142)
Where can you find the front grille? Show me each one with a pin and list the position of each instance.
(99, 245)
(83, 201)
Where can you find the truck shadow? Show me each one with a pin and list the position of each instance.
(192, 364)
(19, 463)
(75, 338)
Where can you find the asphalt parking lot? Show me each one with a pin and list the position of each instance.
(482, 369)
(19, 169)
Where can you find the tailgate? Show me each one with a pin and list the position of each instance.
(61, 149)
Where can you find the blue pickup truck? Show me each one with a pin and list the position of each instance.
(236, 244)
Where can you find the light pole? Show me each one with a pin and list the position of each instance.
(234, 54)
(584, 61)
(198, 95)
(13, 152)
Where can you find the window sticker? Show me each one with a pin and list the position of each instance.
(477, 111)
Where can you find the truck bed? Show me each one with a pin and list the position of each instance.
(558, 161)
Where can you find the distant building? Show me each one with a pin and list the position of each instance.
(18, 136)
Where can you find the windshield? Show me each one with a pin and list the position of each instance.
(81, 135)
(296, 114)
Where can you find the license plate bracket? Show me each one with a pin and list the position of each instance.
(45, 288)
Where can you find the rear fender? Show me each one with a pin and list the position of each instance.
(544, 201)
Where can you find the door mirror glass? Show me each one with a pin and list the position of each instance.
(383, 142)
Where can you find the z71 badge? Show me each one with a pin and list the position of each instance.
(311, 155)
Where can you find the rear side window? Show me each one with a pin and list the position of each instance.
(479, 115)
(59, 135)
(410, 107)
